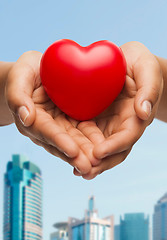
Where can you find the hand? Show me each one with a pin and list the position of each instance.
(38, 118)
(123, 123)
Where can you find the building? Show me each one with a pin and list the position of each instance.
(61, 233)
(117, 232)
(91, 227)
(22, 200)
(160, 219)
(134, 226)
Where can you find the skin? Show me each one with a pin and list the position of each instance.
(46, 125)
(5, 114)
(162, 112)
(123, 123)
(91, 147)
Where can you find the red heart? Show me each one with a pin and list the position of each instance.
(83, 81)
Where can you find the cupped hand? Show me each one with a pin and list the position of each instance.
(110, 136)
(123, 123)
(37, 117)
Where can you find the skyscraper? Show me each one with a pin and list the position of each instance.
(117, 232)
(134, 226)
(160, 219)
(91, 227)
(22, 200)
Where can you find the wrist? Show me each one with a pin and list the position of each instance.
(162, 109)
(5, 114)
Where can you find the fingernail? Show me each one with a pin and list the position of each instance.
(147, 108)
(23, 113)
(77, 169)
(66, 155)
(61, 150)
(76, 173)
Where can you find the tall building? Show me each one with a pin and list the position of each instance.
(134, 226)
(22, 200)
(117, 232)
(91, 227)
(160, 219)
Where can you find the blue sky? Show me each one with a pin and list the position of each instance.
(140, 181)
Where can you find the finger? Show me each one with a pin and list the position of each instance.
(76, 173)
(112, 124)
(122, 140)
(20, 86)
(94, 134)
(22, 80)
(148, 77)
(84, 143)
(106, 164)
(81, 164)
(48, 130)
(52, 150)
(91, 131)
(51, 131)
(88, 133)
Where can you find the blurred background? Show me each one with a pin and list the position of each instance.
(136, 184)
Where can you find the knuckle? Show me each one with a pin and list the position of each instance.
(85, 145)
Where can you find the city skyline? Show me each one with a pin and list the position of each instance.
(137, 183)
(22, 184)
(92, 227)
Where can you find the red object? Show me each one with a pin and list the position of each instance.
(83, 81)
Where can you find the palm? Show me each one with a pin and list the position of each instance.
(120, 118)
(117, 123)
(56, 126)
(116, 117)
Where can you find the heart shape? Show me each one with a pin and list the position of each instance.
(83, 81)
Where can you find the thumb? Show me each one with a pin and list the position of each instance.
(19, 90)
(148, 79)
